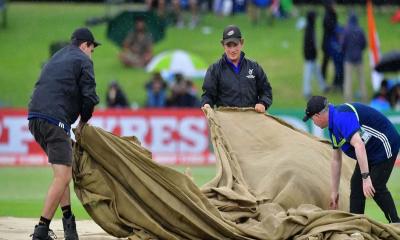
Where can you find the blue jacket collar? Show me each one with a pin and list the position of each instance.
(236, 69)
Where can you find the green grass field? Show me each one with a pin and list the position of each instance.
(24, 46)
(22, 191)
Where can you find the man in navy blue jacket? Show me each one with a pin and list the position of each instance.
(65, 90)
(367, 136)
(234, 80)
(354, 43)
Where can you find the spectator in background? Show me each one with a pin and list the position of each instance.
(173, 12)
(157, 5)
(311, 68)
(182, 95)
(354, 43)
(156, 90)
(336, 48)
(192, 6)
(380, 100)
(223, 7)
(332, 45)
(329, 32)
(257, 8)
(191, 88)
(383, 91)
(115, 96)
(177, 88)
(394, 97)
(137, 47)
(179, 81)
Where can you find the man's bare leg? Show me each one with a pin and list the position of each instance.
(69, 224)
(66, 197)
(61, 177)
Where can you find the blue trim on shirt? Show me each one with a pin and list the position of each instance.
(51, 120)
(234, 68)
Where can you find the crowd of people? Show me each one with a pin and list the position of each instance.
(344, 46)
(180, 93)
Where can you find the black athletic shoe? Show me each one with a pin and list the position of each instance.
(70, 228)
(42, 232)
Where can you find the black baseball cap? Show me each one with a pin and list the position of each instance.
(231, 34)
(315, 105)
(84, 34)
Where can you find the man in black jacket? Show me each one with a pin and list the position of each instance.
(235, 81)
(66, 89)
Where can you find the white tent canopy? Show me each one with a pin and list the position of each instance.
(178, 61)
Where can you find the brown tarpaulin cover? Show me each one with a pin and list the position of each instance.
(272, 182)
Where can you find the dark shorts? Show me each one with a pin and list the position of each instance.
(53, 140)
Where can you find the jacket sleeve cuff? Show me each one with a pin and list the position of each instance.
(206, 102)
(87, 111)
(265, 104)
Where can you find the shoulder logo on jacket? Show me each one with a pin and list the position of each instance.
(250, 74)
